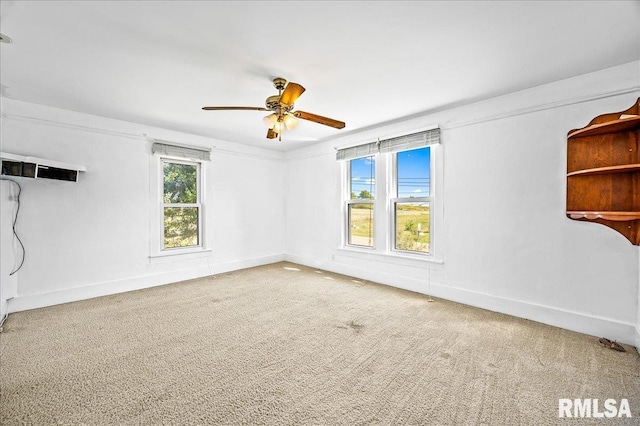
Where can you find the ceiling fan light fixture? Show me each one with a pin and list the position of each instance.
(290, 121)
(270, 120)
(278, 127)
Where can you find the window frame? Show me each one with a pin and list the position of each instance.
(394, 200)
(198, 204)
(350, 201)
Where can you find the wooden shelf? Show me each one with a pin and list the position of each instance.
(614, 126)
(625, 168)
(606, 194)
(605, 215)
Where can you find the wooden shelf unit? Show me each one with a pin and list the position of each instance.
(603, 172)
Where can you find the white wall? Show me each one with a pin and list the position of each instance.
(506, 243)
(93, 237)
(10, 252)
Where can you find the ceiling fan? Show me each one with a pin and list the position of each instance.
(281, 107)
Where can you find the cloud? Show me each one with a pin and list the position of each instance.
(417, 190)
(367, 181)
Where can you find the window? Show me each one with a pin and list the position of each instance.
(398, 217)
(411, 205)
(179, 191)
(181, 204)
(360, 206)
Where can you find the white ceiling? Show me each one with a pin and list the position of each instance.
(159, 63)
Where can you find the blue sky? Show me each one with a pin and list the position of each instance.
(363, 172)
(413, 173)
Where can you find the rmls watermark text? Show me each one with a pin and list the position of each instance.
(588, 407)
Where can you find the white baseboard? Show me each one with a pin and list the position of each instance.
(33, 301)
(575, 321)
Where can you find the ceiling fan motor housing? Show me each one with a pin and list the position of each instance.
(273, 103)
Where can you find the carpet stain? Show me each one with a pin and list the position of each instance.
(351, 325)
(355, 326)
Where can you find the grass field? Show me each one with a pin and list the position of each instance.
(361, 224)
(412, 225)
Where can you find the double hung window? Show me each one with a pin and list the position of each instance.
(181, 204)
(411, 206)
(180, 188)
(361, 203)
(389, 196)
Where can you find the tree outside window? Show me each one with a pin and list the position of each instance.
(181, 204)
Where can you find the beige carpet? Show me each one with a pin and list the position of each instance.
(286, 344)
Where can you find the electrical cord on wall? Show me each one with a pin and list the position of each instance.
(15, 219)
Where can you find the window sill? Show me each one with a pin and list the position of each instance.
(173, 255)
(402, 259)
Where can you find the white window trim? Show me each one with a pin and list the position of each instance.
(347, 196)
(197, 204)
(384, 230)
(394, 199)
(157, 249)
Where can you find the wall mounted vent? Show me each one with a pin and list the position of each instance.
(38, 168)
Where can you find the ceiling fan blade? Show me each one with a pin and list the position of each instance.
(271, 134)
(233, 108)
(319, 119)
(291, 93)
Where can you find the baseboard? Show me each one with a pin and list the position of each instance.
(637, 344)
(34, 301)
(574, 321)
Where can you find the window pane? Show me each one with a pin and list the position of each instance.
(361, 224)
(413, 173)
(412, 226)
(180, 183)
(363, 178)
(180, 227)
